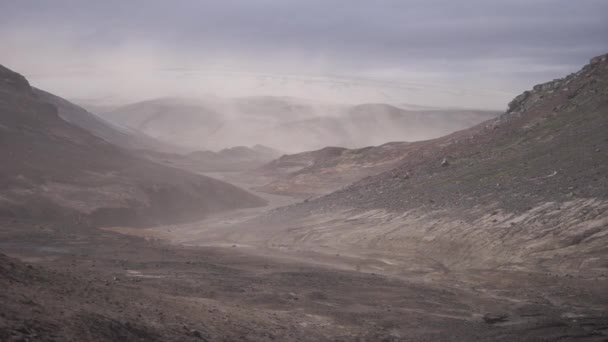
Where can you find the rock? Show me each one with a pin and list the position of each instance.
(195, 333)
(518, 102)
(598, 59)
(494, 318)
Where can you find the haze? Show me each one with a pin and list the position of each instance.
(304, 170)
(474, 54)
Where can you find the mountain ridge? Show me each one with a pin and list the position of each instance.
(286, 123)
(53, 169)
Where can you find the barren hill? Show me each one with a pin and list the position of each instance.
(377, 123)
(97, 126)
(323, 171)
(211, 123)
(285, 123)
(51, 169)
(527, 189)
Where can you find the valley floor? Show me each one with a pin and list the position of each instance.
(88, 284)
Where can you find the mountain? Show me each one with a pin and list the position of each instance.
(323, 171)
(376, 124)
(526, 190)
(211, 123)
(101, 128)
(286, 123)
(53, 169)
(178, 121)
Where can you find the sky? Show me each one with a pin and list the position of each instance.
(443, 53)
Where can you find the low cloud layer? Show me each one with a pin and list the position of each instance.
(474, 53)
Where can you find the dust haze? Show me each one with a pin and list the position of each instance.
(265, 170)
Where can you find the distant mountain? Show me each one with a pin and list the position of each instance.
(526, 190)
(239, 153)
(234, 159)
(54, 169)
(183, 122)
(323, 171)
(376, 124)
(286, 123)
(210, 124)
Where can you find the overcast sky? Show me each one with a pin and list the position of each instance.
(473, 53)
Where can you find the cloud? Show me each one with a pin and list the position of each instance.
(501, 46)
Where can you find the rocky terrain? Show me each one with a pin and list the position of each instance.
(309, 174)
(314, 173)
(51, 168)
(73, 282)
(493, 233)
(526, 190)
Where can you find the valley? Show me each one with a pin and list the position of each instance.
(198, 281)
(494, 232)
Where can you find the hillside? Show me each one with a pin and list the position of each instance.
(524, 190)
(319, 172)
(323, 171)
(82, 118)
(53, 169)
(183, 122)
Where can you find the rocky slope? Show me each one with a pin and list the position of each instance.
(95, 125)
(314, 173)
(323, 171)
(52, 169)
(525, 190)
